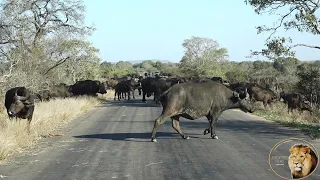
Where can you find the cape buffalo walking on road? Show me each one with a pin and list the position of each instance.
(19, 102)
(125, 87)
(194, 100)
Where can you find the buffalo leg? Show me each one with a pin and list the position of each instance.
(176, 126)
(265, 103)
(160, 120)
(119, 96)
(115, 94)
(270, 104)
(143, 96)
(28, 126)
(128, 95)
(213, 127)
(207, 131)
(133, 94)
(29, 115)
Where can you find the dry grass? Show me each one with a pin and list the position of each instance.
(47, 117)
(305, 122)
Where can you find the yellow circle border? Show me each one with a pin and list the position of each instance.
(276, 145)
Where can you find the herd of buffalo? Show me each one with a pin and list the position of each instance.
(193, 98)
(190, 98)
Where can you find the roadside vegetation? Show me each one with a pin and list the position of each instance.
(47, 117)
(46, 42)
(307, 123)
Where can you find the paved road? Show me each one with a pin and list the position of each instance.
(113, 142)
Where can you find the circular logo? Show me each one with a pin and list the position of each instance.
(293, 158)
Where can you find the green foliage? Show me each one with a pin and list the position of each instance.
(286, 65)
(202, 57)
(260, 65)
(123, 68)
(309, 78)
(299, 15)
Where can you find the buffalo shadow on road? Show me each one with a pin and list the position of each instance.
(256, 128)
(132, 136)
(129, 103)
(232, 127)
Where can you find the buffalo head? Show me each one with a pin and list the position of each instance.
(103, 89)
(18, 104)
(244, 102)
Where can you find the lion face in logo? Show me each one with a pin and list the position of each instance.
(302, 161)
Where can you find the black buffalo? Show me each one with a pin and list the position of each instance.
(259, 93)
(148, 86)
(88, 87)
(19, 102)
(296, 101)
(60, 91)
(163, 84)
(194, 100)
(125, 87)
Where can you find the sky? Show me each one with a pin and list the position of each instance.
(148, 29)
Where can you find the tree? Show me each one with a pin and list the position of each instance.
(300, 15)
(107, 69)
(148, 66)
(83, 61)
(286, 65)
(259, 65)
(30, 21)
(123, 68)
(239, 71)
(309, 79)
(31, 32)
(202, 56)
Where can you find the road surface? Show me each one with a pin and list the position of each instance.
(113, 142)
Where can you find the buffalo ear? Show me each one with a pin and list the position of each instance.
(236, 95)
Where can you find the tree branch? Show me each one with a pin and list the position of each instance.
(281, 22)
(56, 65)
(4, 77)
(305, 45)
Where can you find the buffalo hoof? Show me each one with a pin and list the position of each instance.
(186, 137)
(153, 140)
(206, 131)
(215, 137)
